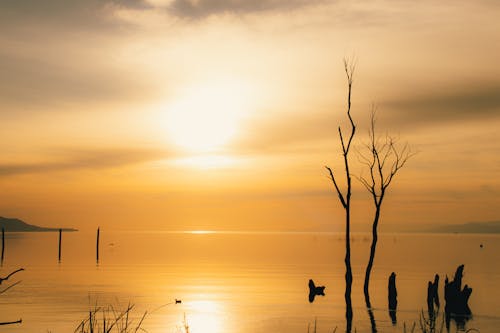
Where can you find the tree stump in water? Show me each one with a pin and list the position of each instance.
(455, 297)
(393, 293)
(432, 295)
(393, 297)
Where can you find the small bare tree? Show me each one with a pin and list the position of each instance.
(384, 157)
(345, 200)
(2, 279)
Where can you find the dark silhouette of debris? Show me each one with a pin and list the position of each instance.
(315, 291)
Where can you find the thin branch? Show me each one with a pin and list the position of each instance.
(341, 197)
(349, 67)
(363, 181)
(362, 158)
(344, 151)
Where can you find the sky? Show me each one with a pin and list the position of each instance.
(221, 115)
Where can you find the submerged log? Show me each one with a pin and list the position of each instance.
(455, 297)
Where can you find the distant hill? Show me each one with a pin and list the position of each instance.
(492, 227)
(16, 225)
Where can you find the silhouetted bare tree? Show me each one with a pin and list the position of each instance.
(345, 200)
(384, 157)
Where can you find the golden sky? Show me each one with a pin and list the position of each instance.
(215, 114)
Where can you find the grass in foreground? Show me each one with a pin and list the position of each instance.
(110, 320)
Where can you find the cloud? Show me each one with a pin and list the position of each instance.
(84, 159)
(204, 8)
(88, 14)
(94, 14)
(35, 83)
(287, 133)
(309, 130)
(482, 101)
(59, 52)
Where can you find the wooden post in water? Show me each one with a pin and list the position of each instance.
(97, 246)
(3, 242)
(60, 236)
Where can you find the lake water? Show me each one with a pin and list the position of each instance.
(238, 282)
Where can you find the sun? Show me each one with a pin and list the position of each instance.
(206, 116)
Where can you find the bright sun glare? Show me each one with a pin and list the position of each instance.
(207, 116)
(205, 317)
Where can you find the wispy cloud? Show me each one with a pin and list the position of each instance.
(56, 52)
(31, 82)
(88, 15)
(481, 101)
(279, 134)
(84, 159)
(204, 8)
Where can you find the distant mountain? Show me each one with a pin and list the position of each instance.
(16, 225)
(492, 227)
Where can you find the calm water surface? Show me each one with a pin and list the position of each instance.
(238, 282)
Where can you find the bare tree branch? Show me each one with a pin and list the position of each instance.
(385, 159)
(341, 197)
(349, 67)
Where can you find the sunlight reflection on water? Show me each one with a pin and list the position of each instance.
(238, 282)
(205, 316)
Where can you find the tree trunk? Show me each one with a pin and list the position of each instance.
(373, 248)
(348, 273)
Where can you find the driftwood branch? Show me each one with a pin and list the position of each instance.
(2, 279)
(11, 286)
(11, 322)
(8, 276)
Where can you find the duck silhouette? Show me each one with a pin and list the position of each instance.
(315, 291)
